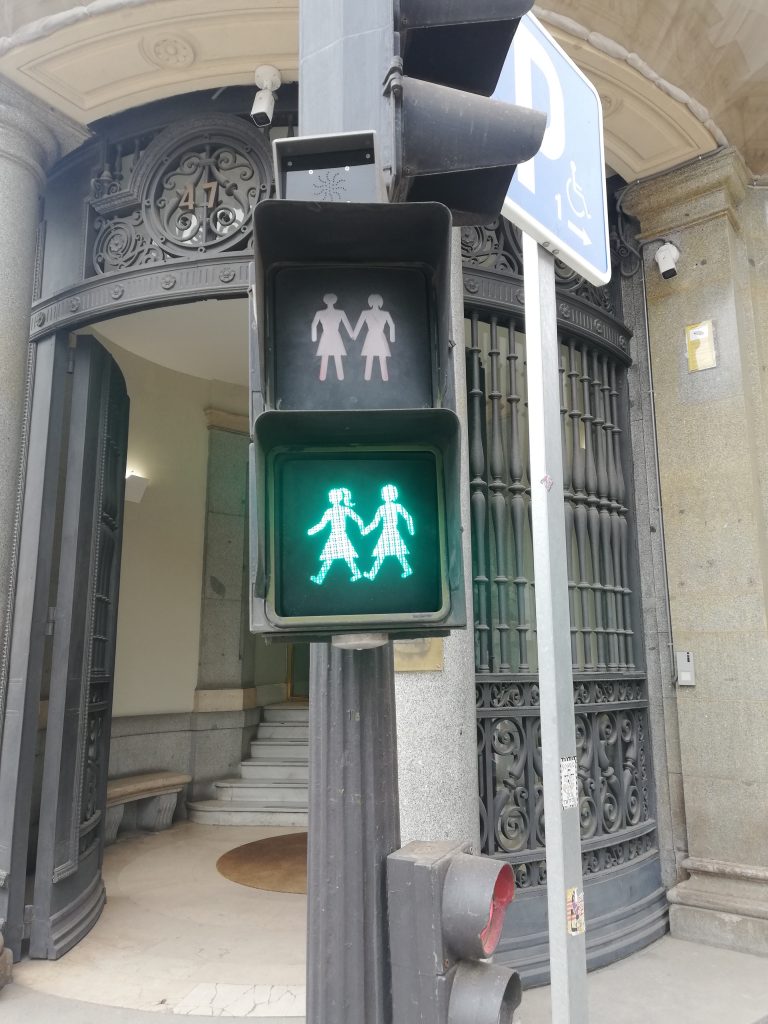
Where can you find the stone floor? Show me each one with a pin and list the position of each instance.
(177, 938)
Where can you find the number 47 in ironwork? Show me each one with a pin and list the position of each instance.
(188, 195)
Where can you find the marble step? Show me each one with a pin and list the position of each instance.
(269, 749)
(245, 812)
(285, 713)
(283, 731)
(290, 769)
(272, 791)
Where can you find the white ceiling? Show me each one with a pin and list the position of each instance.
(204, 339)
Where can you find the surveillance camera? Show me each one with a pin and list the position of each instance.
(263, 108)
(667, 256)
(268, 81)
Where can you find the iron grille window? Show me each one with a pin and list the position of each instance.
(610, 696)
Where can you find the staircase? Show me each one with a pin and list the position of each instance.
(273, 783)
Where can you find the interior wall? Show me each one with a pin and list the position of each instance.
(158, 637)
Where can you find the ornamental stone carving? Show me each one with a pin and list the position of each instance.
(168, 51)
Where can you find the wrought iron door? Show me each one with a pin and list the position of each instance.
(68, 891)
(27, 645)
(615, 780)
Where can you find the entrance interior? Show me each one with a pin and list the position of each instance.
(190, 679)
(180, 684)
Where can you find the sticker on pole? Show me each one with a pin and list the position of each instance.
(569, 783)
(574, 911)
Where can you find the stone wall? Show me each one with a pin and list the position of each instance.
(206, 745)
(714, 481)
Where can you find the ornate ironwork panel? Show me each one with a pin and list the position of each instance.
(615, 796)
(615, 789)
(187, 192)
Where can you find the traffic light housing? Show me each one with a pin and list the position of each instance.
(446, 913)
(451, 143)
(355, 455)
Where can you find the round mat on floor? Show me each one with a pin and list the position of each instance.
(277, 864)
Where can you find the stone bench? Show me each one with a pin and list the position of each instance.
(154, 795)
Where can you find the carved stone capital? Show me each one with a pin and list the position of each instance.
(32, 134)
(711, 187)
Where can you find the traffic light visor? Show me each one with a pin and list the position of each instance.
(476, 894)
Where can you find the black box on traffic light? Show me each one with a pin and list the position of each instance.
(355, 455)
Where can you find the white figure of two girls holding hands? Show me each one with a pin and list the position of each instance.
(326, 332)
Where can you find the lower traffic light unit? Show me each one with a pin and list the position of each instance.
(446, 912)
(356, 524)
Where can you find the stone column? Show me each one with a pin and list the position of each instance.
(237, 672)
(28, 147)
(713, 454)
(436, 716)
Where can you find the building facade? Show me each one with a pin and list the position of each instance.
(130, 170)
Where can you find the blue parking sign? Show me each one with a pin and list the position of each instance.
(559, 196)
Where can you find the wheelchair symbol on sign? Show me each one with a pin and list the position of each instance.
(575, 193)
(577, 202)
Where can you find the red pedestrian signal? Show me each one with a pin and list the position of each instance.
(446, 915)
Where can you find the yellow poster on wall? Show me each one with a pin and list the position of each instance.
(700, 343)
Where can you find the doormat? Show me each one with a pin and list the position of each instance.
(277, 864)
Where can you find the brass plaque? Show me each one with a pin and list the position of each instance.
(424, 655)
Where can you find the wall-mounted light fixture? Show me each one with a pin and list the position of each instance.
(135, 486)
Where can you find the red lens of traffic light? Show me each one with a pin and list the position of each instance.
(503, 894)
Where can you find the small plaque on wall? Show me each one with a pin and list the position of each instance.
(424, 655)
(700, 344)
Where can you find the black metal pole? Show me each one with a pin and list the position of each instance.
(353, 826)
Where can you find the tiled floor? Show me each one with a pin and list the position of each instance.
(177, 937)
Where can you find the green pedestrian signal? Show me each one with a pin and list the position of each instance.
(360, 534)
(340, 546)
(390, 542)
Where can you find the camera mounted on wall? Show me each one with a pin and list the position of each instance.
(268, 81)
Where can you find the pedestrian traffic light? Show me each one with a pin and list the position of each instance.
(446, 913)
(355, 472)
(452, 144)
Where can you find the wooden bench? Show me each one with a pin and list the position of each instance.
(154, 795)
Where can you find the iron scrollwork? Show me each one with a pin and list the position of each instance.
(189, 191)
(615, 807)
(498, 247)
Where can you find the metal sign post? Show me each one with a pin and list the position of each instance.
(565, 892)
(558, 199)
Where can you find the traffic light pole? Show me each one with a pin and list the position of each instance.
(354, 814)
(353, 827)
(565, 893)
